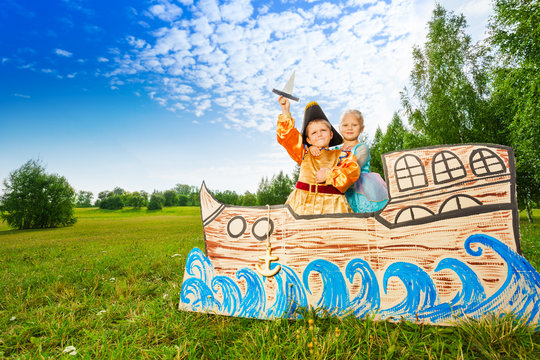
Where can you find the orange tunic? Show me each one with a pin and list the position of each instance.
(344, 171)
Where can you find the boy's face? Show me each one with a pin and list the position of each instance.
(319, 134)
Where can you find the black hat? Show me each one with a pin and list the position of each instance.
(314, 112)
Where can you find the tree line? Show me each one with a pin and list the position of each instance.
(180, 195)
(271, 191)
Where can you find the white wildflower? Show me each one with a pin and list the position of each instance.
(101, 312)
(70, 350)
(165, 296)
(112, 279)
(13, 318)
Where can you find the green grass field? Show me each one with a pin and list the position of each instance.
(109, 286)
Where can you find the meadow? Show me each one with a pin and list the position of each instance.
(109, 286)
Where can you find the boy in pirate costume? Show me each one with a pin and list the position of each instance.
(323, 179)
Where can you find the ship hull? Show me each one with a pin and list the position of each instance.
(461, 263)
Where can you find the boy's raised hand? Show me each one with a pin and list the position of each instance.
(285, 105)
(315, 151)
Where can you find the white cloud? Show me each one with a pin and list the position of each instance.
(229, 57)
(136, 43)
(64, 53)
(22, 96)
(326, 10)
(165, 11)
(102, 59)
(209, 9)
(236, 11)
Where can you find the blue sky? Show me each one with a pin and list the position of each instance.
(147, 94)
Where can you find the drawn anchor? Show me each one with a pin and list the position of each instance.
(268, 258)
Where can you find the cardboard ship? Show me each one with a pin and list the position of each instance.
(446, 246)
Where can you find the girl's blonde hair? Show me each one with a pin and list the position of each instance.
(356, 113)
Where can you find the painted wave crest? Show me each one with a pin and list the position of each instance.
(203, 291)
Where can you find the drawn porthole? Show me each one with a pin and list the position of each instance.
(236, 226)
(412, 213)
(485, 162)
(262, 227)
(459, 202)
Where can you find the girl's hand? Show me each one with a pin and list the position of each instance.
(314, 151)
(320, 176)
(285, 105)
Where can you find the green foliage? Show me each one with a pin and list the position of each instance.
(185, 189)
(449, 83)
(135, 199)
(113, 202)
(515, 31)
(182, 200)
(118, 191)
(227, 197)
(34, 199)
(192, 193)
(156, 201)
(101, 196)
(249, 199)
(274, 191)
(170, 198)
(84, 199)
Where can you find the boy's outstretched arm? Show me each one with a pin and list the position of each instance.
(287, 135)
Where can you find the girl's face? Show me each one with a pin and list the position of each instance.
(319, 134)
(350, 127)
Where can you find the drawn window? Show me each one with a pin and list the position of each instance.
(458, 202)
(412, 213)
(410, 173)
(447, 167)
(485, 162)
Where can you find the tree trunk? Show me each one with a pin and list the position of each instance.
(529, 213)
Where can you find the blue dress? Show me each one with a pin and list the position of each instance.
(368, 193)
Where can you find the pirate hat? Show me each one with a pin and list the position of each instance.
(314, 112)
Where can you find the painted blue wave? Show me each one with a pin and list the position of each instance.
(335, 295)
(253, 303)
(230, 292)
(519, 294)
(472, 292)
(368, 298)
(196, 290)
(421, 293)
(290, 294)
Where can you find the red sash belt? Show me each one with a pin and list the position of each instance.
(316, 188)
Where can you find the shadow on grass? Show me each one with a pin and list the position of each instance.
(23, 231)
